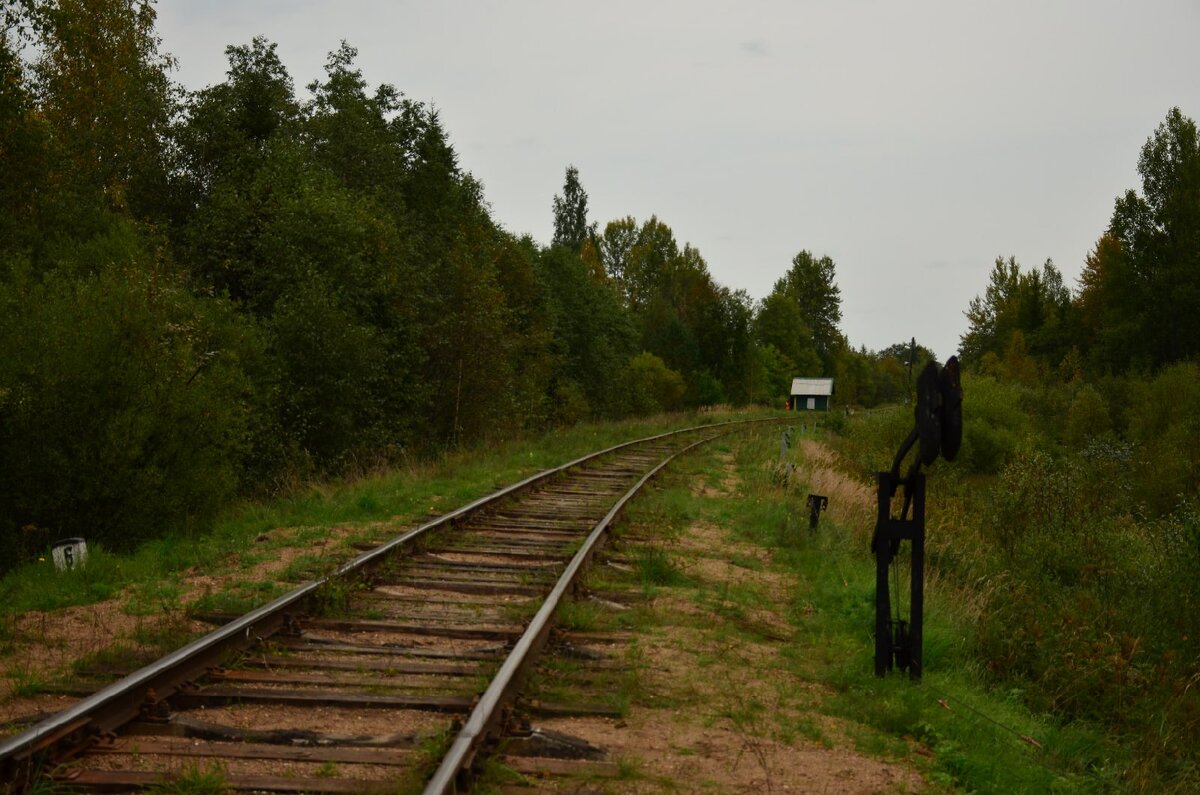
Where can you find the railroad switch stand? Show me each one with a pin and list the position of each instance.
(898, 642)
(816, 503)
(939, 431)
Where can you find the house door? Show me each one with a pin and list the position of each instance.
(812, 403)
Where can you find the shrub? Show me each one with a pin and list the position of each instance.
(994, 424)
(124, 408)
(650, 386)
(1087, 417)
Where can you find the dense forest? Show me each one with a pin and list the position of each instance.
(210, 293)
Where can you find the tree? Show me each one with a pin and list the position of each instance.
(618, 241)
(990, 317)
(856, 384)
(24, 155)
(103, 87)
(647, 269)
(228, 127)
(1159, 234)
(810, 284)
(571, 228)
(907, 353)
(593, 333)
(350, 130)
(1109, 307)
(780, 324)
(650, 386)
(1034, 302)
(125, 407)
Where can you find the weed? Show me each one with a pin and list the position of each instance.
(656, 569)
(27, 682)
(239, 598)
(154, 598)
(307, 567)
(210, 780)
(629, 769)
(581, 616)
(163, 637)
(425, 759)
(334, 596)
(117, 659)
(496, 775)
(746, 562)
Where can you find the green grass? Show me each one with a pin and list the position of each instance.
(974, 732)
(154, 598)
(163, 637)
(976, 736)
(239, 597)
(195, 780)
(119, 658)
(26, 682)
(583, 617)
(376, 506)
(655, 568)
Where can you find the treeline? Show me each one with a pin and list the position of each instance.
(1135, 307)
(206, 293)
(1118, 356)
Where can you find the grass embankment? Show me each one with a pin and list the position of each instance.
(758, 636)
(120, 610)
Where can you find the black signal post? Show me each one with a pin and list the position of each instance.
(938, 430)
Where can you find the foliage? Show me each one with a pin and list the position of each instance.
(780, 324)
(1071, 527)
(1087, 417)
(810, 285)
(650, 386)
(124, 407)
(1031, 304)
(571, 228)
(326, 268)
(102, 87)
(1159, 236)
(1145, 268)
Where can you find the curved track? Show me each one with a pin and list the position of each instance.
(398, 669)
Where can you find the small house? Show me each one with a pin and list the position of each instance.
(811, 394)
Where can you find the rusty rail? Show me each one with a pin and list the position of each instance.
(484, 719)
(101, 714)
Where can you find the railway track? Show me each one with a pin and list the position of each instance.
(398, 670)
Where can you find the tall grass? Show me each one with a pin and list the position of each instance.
(1081, 584)
(977, 734)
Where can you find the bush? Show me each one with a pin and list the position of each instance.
(124, 408)
(333, 378)
(995, 424)
(650, 386)
(1164, 419)
(1087, 417)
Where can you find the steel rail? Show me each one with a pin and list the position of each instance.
(489, 710)
(120, 702)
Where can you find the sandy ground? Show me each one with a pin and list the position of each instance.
(44, 646)
(732, 720)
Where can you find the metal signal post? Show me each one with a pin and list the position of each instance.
(939, 431)
(898, 642)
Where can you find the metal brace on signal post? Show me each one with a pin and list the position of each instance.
(939, 431)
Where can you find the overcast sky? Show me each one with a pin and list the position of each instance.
(913, 142)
